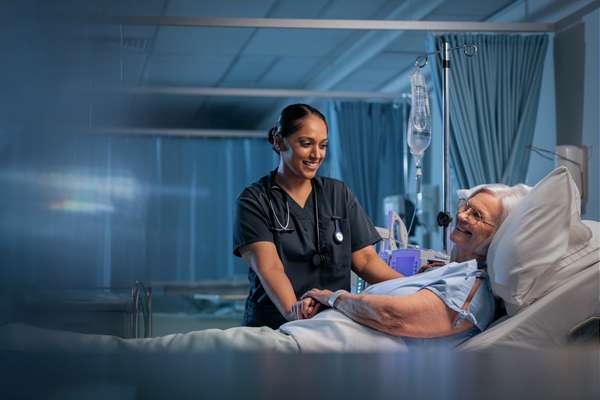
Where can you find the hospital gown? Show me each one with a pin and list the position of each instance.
(328, 331)
(333, 331)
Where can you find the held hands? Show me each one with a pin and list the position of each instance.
(306, 308)
(310, 304)
(319, 295)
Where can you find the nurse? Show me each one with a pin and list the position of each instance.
(297, 231)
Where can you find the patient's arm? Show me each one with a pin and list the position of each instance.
(422, 315)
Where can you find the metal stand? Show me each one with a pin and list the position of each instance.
(141, 298)
(444, 218)
(446, 142)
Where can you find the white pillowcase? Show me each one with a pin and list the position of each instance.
(595, 227)
(541, 243)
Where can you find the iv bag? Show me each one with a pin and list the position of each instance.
(419, 124)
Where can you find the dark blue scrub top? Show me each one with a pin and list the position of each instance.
(254, 222)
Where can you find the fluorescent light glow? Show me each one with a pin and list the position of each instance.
(84, 207)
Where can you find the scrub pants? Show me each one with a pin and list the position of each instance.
(20, 337)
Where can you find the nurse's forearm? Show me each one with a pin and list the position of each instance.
(263, 259)
(379, 271)
(369, 266)
(279, 289)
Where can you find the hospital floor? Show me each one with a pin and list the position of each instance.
(109, 311)
(180, 310)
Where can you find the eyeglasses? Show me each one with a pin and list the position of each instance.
(463, 206)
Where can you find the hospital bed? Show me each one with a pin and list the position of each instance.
(554, 320)
(569, 313)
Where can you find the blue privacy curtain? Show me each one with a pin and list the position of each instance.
(493, 105)
(84, 211)
(367, 145)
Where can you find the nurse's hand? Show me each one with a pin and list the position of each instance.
(319, 295)
(305, 308)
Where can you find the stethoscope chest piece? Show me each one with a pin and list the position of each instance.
(338, 237)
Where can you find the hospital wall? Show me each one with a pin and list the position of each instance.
(576, 83)
(591, 119)
(545, 135)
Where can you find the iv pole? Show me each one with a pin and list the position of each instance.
(444, 218)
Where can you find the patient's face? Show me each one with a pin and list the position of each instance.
(476, 224)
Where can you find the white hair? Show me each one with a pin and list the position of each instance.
(509, 196)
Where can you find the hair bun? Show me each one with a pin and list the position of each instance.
(272, 132)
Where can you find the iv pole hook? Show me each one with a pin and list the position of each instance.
(469, 50)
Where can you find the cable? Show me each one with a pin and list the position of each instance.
(541, 154)
(539, 151)
(412, 220)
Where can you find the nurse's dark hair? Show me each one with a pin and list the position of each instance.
(291, 119)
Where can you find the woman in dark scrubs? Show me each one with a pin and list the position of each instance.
(298, 231)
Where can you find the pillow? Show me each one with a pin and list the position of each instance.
(595, 227)
(540, 243)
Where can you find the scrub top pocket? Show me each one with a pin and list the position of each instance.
(339, 253)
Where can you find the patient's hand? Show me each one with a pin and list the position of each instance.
(430, 265)
(321, 296)
(306, 308)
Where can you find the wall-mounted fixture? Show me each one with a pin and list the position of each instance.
(575, 159)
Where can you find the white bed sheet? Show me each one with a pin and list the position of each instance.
(595, 227)
(548, 321)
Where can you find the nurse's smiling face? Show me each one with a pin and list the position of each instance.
(303, 151)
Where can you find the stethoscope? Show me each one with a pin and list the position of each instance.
(318, 259)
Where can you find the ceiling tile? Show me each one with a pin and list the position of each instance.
(110, 67)
(352, 9)
(201, 41)
(409, 41)
(469, 9)
(298, 9)
(131, 7)
(221, 8)
(248, 70)
(289, 72)
(296, 42)
(368, 79)
(386, 60)
(185, 70)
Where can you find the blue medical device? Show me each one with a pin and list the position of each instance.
(398, 255)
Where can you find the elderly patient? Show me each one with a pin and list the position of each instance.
(443, 306)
